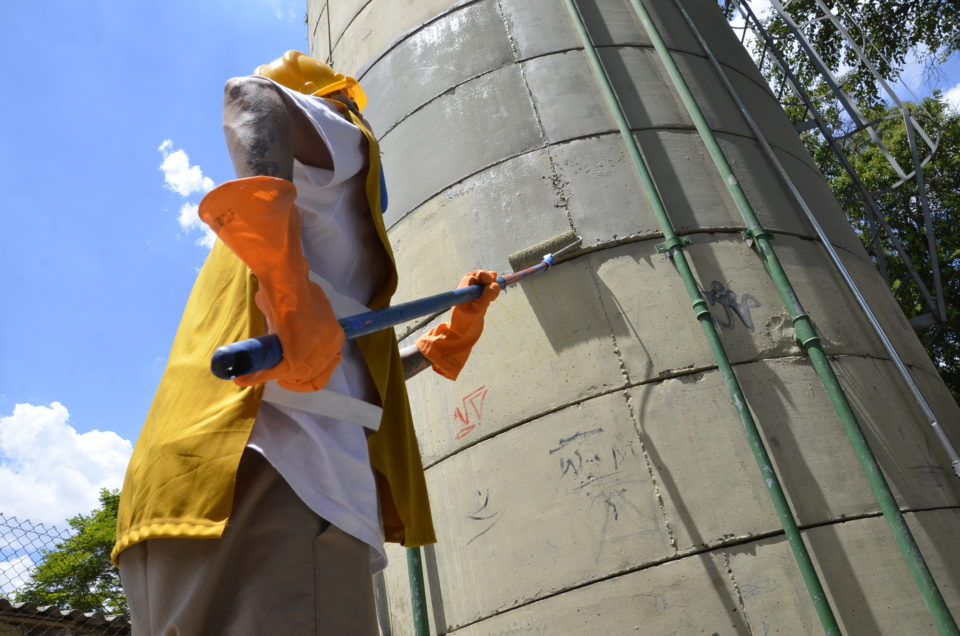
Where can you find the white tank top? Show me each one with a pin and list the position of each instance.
(317, 441)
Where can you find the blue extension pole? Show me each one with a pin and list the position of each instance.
(256, 354)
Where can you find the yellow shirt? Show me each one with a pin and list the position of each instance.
(182, 474)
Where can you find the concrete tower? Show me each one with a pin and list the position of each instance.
(588, 472)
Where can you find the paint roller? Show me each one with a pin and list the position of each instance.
(256, 354)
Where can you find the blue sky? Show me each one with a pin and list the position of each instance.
(96, 262)
(99, 95)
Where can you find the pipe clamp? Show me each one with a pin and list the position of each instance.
(671, 243)
(753, 234)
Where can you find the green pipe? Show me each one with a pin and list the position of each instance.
(824, 239)
(418, 595)
(673, 245)
(807, 336)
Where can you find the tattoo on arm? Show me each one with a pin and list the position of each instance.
(257, 126)
(265, 169)
(259, 146)
(413, 361)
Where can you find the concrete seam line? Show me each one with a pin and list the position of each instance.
(466, 177)
(363, 70)
(349, 23)
(775, 162)
(560, 187)
(878, 514)
(625, 240)
(466, 3)
(316, 25)
(631, 45)
(329, 35)
(669, 375)
(598, 133)
(658, 236)
(741, 606)
(531, 150)
(614, 575)
(523, 76)
(694, 54)
(808, 334)
(521, 62)
(657, 493)
(696, 551)
(521, 422)
(671, 537)
(448, 90)
(639, 238)
(613, 335)
(648, 462)
(733, 69)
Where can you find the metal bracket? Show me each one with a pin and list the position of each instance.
(752, 235)
(669, 244)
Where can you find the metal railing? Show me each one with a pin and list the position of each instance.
(47, 585)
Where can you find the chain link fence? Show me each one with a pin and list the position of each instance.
(54, 584)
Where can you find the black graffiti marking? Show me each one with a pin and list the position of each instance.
(609, 499)
(568, 464)
(481, 514)
(619, 454)
(573, 438)
(475, 515)
(587, 466)
(727, 298)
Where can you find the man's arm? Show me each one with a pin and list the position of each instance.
(264, 135)
(413, 361)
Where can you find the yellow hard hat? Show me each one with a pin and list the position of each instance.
(311, 76)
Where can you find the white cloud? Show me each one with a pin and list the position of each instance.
(914, 66)
(190, 220)
(15, 573)
(50, 472)
(179, 175)
(189, 216)
(952, 97)
(763, 10)
(914, 79)
(286, 10)
(186, 180)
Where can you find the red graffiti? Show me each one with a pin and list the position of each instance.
(472, 411)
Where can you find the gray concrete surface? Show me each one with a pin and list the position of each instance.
(444, 141)
(587, 471)
(441, 55)
(726, 590)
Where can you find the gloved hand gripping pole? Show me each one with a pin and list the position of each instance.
(256, 354)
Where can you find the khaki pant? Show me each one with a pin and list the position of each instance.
(278, 569)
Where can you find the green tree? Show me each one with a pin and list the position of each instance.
(888, 31)
(77, 572)
(901, 209)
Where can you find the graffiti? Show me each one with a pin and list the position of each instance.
(518, 629)
(574, 462)
(662, 603)
(727, 299)
(483, 516)
(472, 412)
(592, 465)
(757, 588)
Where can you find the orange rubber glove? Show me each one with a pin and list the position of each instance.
(257, 219)
(448, 345)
